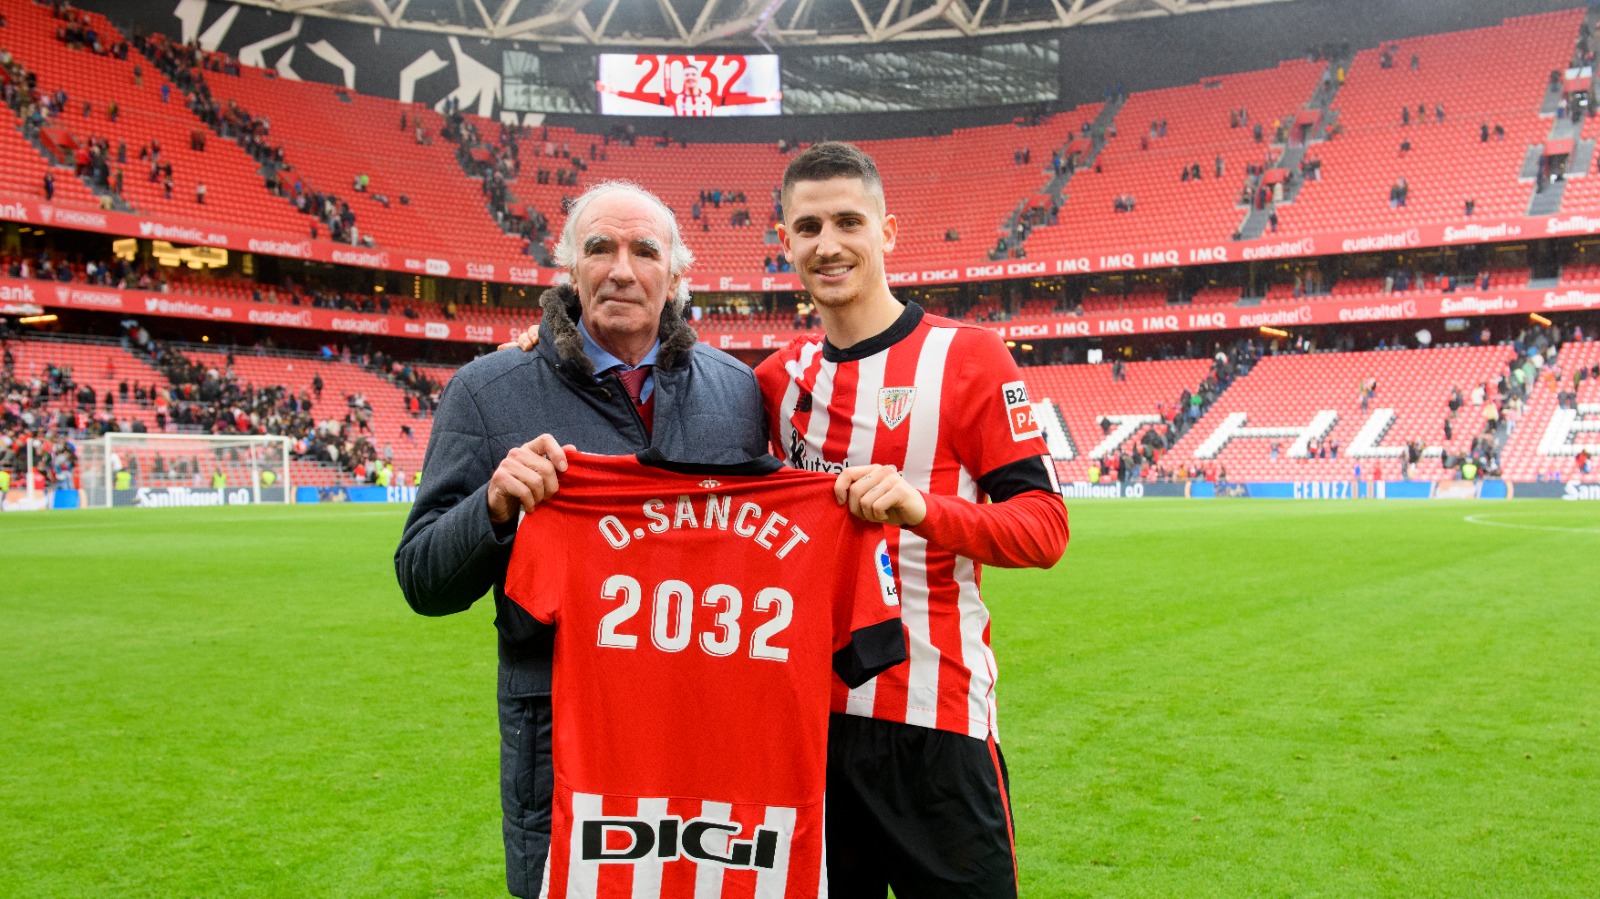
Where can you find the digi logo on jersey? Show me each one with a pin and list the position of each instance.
(674, 838)
(1019, 411)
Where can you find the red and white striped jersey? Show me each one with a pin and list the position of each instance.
(944, 403)
(701, 616)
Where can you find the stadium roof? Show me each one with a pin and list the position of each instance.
(696, 23)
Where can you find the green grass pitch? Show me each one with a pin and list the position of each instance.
(1228, 699)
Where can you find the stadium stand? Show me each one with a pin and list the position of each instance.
(917, 174)
(152, 404)
(1290, 392)
(1085, 394)
(98, 366)
(955, 195)
(1524, 459)
(23, 167)
(1582, 192)
(345, 385)
(332, 136)
(1085, 405)
(1144, 161)
(234, 191)
(1447, 162)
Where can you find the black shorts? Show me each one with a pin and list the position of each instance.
(924, 811)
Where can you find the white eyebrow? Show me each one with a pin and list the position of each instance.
(598, 241)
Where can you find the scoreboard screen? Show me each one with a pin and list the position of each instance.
(659, 84)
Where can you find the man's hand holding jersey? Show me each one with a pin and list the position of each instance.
(526, 477)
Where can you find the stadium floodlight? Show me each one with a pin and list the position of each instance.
(153, 470)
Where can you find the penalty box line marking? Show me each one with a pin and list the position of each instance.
(1479, 519)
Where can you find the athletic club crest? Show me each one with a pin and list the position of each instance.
(894, 404)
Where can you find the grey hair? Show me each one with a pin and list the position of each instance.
(679, 257)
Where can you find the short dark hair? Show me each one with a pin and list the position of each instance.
(833, 159)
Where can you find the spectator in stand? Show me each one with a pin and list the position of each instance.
(49, 186)
(614, 349)
(200, 192)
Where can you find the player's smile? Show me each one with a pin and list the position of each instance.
(836, 236)
(833, 273)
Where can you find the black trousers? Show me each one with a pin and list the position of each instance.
(527, 783)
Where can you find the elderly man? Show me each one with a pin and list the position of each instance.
(617, 371)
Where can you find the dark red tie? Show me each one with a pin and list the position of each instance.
(633, 382)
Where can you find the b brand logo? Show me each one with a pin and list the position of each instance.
(1019, 411)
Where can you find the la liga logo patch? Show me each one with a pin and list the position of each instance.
(891, 593)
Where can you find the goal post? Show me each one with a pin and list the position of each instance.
(164, 470)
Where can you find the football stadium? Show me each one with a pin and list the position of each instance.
(1285, 299)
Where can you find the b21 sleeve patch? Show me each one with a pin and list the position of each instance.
(1019, 411)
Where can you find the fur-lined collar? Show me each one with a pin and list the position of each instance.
(561, 313)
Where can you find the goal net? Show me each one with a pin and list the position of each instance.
(164, 470)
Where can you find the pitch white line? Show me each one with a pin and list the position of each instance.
(101, 525)
(1476, 519)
